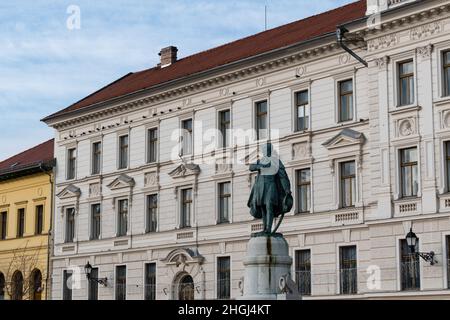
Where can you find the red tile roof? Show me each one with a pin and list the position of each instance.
(42, 153)
(263, 42)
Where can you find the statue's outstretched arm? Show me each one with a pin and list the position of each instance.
(258, 166)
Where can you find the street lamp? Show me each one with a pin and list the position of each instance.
(411, 240)
(88, 270)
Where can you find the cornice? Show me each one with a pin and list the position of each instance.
(181, 93)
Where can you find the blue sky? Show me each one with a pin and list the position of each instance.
(45, 67)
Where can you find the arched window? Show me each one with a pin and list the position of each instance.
(2, 286)
(17, 286)
(36, 285)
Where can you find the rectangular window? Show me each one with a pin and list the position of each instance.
(348, 270)
(409, 172)
(96, 157)
(123, 152)
(446, 65)
(150, 281)
(224, 127)
(348, 184)
(20, 222)
(303, 271)
(71, 163)
(303, 190)
(3, 225)
(70, 225)
(447, 164)
(186, 125)
(95, 221)
(224, 202)
(93, 285)
(409, 267)
(67, 285)
(448, 261)
(345, 100)
(261, 120)
(406, 83)
(223, 278)
(186, 208)
(152, 148)
(302, 111)
(123, 218)
(152, 213)
(39, 228)
(121, 283)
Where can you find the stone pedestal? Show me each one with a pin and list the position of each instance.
(266, 264)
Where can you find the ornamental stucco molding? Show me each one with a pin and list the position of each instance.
(383, 42)
(426, 31)
(425, 52)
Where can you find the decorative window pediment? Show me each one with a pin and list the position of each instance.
(345, 138)
(122, 181)
(183, 256)
(184, 170)
(69, 192)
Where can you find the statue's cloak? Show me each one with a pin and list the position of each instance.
(271, 190)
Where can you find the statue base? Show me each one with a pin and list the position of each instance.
(267, 269)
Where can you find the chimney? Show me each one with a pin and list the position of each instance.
(168, 56)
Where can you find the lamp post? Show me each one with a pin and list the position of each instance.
(411, 240)
(88, 270)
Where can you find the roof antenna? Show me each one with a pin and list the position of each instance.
(265, 18)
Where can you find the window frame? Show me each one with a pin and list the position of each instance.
(183, 134)
(93, 284)
(183, 202)
(219, 197)
(342, 94)
(64, 285)
(299, 184)
(445, 80)
(3, 225)
(418, 266)
(257, 114)
(116, 268)
(410, 165)
(401, 77)
(340, 268)
(447, 165)
(39, 227)
(305, 106)
(66, 225)
(219, 257)
(93, 215)
(152, 141)
(96, 155)
(145, 280)
(148, 228)
(21, 222)
(120, 164)
(119, 214)
(71, 163)
(342, 179)
(224, 140)
(296, 251)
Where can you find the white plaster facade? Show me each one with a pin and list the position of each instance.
(380, 218)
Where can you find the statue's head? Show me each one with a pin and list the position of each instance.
(267, 149)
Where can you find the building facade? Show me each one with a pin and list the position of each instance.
(26, 184)
(152, 189)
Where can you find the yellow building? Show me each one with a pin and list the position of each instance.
(26, 192)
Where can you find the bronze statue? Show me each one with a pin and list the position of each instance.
(271, 195)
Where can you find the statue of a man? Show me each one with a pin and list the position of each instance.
(271, 194)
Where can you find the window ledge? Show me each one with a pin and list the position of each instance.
(442, 100)
(402, 109)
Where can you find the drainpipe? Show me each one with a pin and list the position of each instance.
(50, 230)
(340, 34)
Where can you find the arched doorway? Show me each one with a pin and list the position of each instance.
(186, 288)
(2, 286)
(17, 286)
(36, 285)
